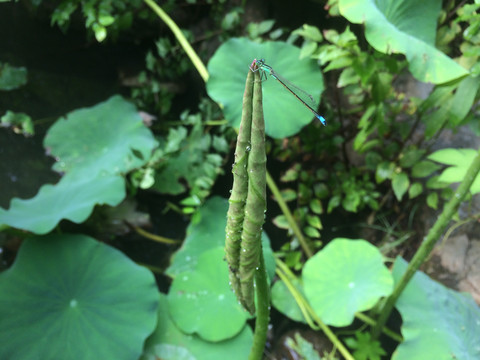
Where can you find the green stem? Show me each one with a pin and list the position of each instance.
(288, 215)
(429, 242)
(331, 336)
(390, 333)
(284, 273)
(202, 70)
(263, 312)
(151, 236)
(305, 306)
(474, 217)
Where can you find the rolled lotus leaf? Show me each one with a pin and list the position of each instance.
(246, 213)
(238, 195)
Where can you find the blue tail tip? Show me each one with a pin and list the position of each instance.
(322, 120)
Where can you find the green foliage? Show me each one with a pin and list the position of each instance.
(168, 342)
(307, 196)
(345, 277)
(200, 279)
(155, 86)
(197, 292)
(365, 347)
(355, 192)
(459, 161)
(375, 140)
(207, 231)
(19, 122)
(430, 325)
(368, 81)
(303, 348)
(284, 115)
(349, 189)
(77, 289)
(93, 159)
(408, 28)
(451, 104)
(101, 16)
(12, 77)
(255, 30)
(283, 300)
(400, 184)
(437, 322)
(188, 159)
(232, 20)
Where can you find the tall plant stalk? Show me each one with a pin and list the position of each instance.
(202, 70)
(238, 195)
(257, 172)
(288, 215)
(246, 214)
(429, 242)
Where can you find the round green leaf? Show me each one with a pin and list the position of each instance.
(167, 340)
(438, 323)
(84, 141)
(345, 277)
(94, 159)
(284, 114)
(71, 297)
(200, 301)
